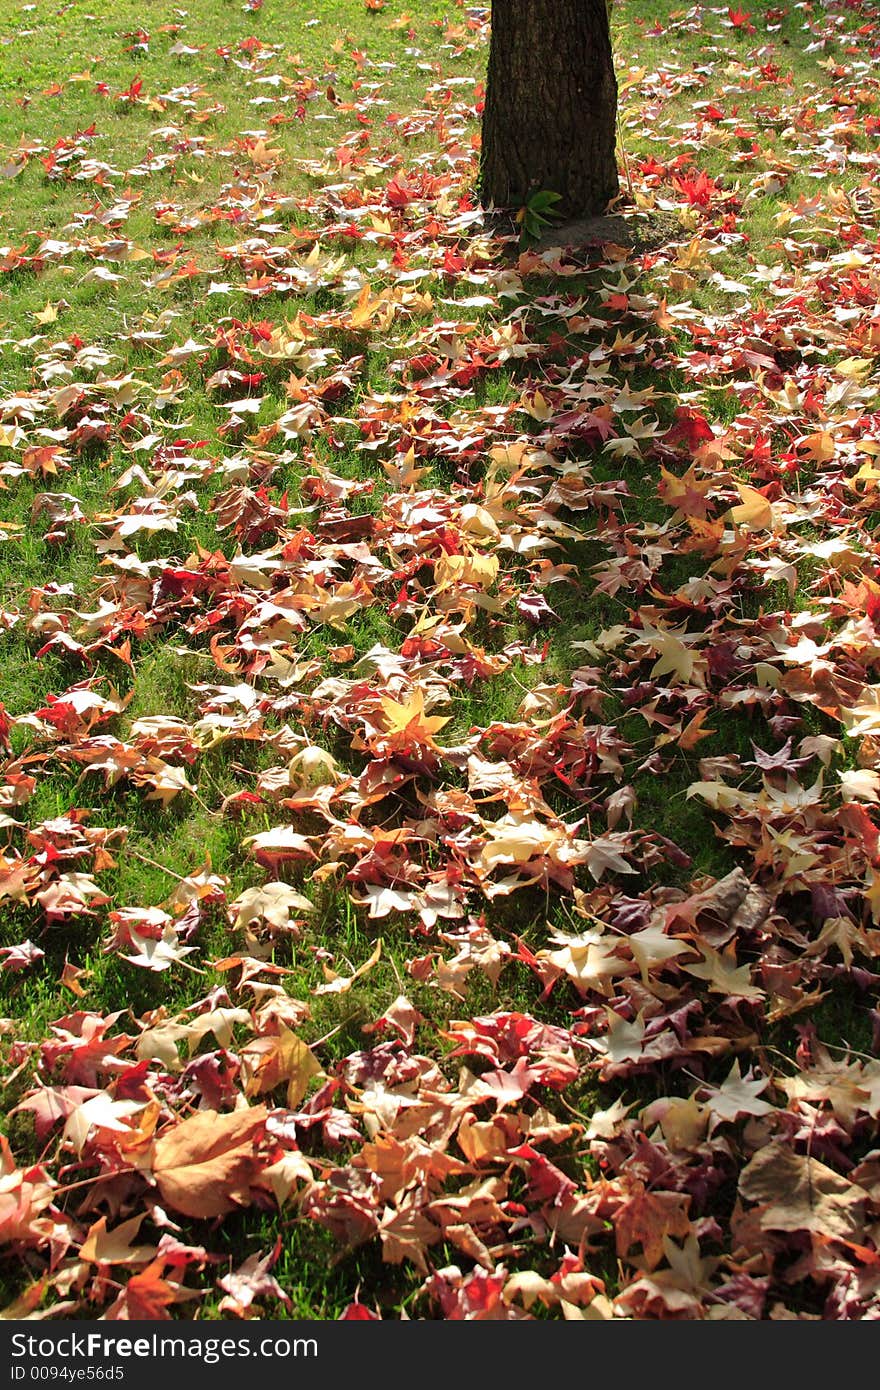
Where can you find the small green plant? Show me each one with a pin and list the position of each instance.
(539, 212)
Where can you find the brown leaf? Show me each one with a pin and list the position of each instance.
(797, 1193)
(207, 1165)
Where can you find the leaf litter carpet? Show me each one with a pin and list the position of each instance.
(525, 608)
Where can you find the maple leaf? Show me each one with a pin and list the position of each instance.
(406, 1233)
(646, 1218)
(687, 494)
(843, 933)
(605, 853)
(674, 655)
(382, 901)
(209, 1164)
(115, 1247)
(49, 1104)
(28, 1197)
(651, 947)
(698, 188)
(723, 974)
(103, 1113)
(71, 894)
(860, 784)
(517, 838)
(623, 1042)
(264, 156)
(754, 511)
(797, 1193)
(366, 308)
(683, 1121)
(590, 961)
(604, 1124)
(286, 1173)
(737, 1096)
(271, 903)
(401, 1016)
(284, 1057)
(21, 956)
(678, 1291)
(508, 1087)
(249, 1282)
(166, 781)
(407, 722)
(693, 732)
(274, 846)
(148, 1296)
(158, 954)
(341, 984)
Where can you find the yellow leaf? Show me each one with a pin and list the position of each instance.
(270, 1061)
(479, 570)
(674, 657)
(754, 512)
(114, 1247)
(819, 446)
(693, 256)
(400, 718)
(537, 406)
(302, 1065)
(854, 368)
(263, 155)
(366, 308)
(872, 895)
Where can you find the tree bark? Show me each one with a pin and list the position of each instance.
(549, 120)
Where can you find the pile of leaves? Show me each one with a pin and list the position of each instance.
(440, 792)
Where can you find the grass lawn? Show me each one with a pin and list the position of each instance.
(491, 605)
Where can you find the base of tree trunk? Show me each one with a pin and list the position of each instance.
(637, 231)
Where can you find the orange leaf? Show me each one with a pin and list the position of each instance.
(646, 1218)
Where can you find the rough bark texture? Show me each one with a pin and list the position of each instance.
(551, 106)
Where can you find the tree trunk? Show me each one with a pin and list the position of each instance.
(551, 106)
